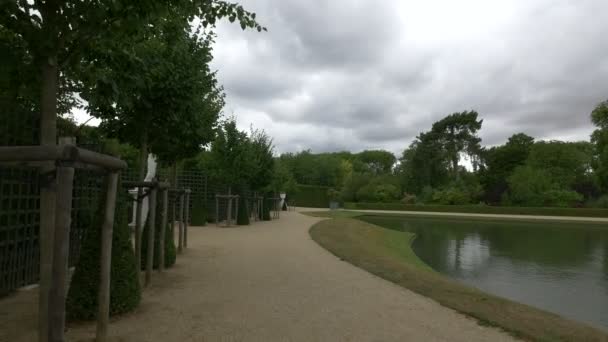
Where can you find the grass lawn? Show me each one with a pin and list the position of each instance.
(387, 254)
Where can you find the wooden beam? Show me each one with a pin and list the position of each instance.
(163, 222)
(151, 234)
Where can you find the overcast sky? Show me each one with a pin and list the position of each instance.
(353, 75)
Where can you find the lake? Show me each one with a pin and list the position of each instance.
(558, 267)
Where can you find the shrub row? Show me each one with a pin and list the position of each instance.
(311, 196)
(481, 209)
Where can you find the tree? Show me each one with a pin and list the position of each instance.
(58, 32)
(499, 162)
(457, 134)
(599, 138)
(261, 175)
(377, 161)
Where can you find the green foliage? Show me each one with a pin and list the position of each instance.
(170, 250)
(599, 138)
(242, 217)
(601, 202)
(528, 185)
(230, 158)
(376, 161)
(311, 196)
(451, 196)
(562, 198)
(500, 162)
(125, 293)
(481, 209)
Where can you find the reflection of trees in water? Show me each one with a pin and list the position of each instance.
(444, 243)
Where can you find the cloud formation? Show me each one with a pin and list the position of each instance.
(354, 75)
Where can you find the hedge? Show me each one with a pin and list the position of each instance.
(170, 250)
(311, 196)
(125, 293)
(481, 209)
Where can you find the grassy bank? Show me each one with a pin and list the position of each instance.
(481, 209)
(387, 254)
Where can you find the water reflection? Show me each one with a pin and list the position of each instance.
(561, 268)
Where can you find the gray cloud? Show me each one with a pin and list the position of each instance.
(335, 75)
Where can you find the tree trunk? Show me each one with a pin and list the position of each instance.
(48, 191)
(141, 174)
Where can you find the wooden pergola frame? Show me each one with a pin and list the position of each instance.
(230, 198)
(67, 157)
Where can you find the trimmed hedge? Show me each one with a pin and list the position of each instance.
(481, 209)
(125, 293)
(170, 250)
(311, 196)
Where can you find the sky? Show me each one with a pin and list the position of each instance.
(354, 74)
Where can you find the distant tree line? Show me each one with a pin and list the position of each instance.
(448, 165)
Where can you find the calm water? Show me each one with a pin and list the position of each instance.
(558, 267)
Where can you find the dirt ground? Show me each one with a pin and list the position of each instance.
(265, 282)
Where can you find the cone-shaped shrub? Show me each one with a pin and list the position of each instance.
(125, 293)
(266, 209)
(198, 212)
(170, 250)
(242, 218)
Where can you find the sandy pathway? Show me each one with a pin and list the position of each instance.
(271, 282)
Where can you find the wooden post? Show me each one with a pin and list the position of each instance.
(186, 219)
(48, 199)
(236, 204)
(61, 250)
(229, 209)
(217, 210)
(173, 218)
(163, 222)
(103, 313)
(138, 229)
(180, 238)
(151, 233)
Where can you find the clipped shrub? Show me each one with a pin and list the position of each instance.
(198, 212)
(125, 293)
(242, 217)
(562, 198)
(170, 249)
(266, 209)
(601, 202)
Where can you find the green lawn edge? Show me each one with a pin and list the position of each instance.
(482, 209)
(387, 254)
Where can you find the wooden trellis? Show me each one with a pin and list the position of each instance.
(66, 158)
(274, 204)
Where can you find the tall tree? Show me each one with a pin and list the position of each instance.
(457, 134)
(377, 161)
(499, 162)
(599, 138)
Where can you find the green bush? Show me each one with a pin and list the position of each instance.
(562, 198)
(451, 196)
(170, 250)
(311, 196)
(125, 293)
(242, 217)
(481, 209)
(601, 202)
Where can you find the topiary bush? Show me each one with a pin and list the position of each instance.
(125, 293)
(242, 217)
(198, 213)
(170, 249)
(266, 209)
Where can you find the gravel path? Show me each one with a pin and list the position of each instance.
(271, 282)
